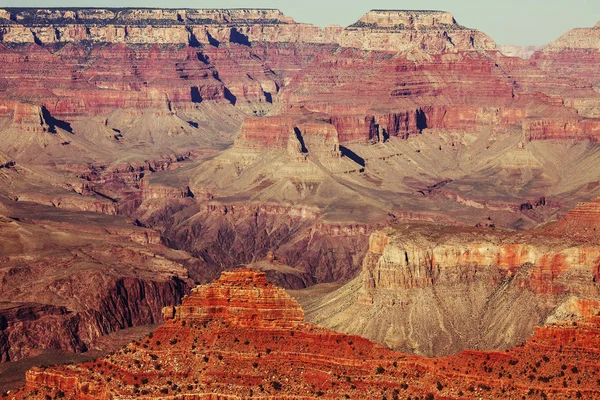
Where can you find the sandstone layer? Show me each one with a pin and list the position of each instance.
(436, 291)
(377, 30)
(241, 337)
(575, 54)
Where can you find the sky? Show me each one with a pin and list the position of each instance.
(520, 22)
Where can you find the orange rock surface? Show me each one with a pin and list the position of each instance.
(241, 337)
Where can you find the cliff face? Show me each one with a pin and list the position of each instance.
(67, 278)
(386, 30)
(240, 337)
(430, 292)
(574, 54)
(169, 61)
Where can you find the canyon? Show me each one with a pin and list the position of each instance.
(407, 179)
(241, 337)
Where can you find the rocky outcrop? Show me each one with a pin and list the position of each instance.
(578, 38)
(67, 278)
(576, 54)
(27, 117)
(426, 291)
(242, 298)
(581, 223)
(240, 337)
(542, 129)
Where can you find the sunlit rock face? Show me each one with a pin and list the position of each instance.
(240, 335)
(428, 290)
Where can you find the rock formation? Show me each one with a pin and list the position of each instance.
(384, 30)
(241, 337)
(151, 148)
(436, 291)
(575, 54)
(67, 278)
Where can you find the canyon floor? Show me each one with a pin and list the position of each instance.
(405, 178)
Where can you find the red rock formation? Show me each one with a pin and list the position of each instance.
(575, 55)
(241, 337)
(541, 129)
(27, 117)
(242, 298)
(449, 289)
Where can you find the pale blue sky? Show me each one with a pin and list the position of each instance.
(534, 22)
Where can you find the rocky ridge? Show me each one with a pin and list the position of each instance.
(574, 54)
(436, 291)
(240, 320)
(434, 31)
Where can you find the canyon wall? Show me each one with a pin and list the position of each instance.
(67, 278)
(229, 135)
(425, 291)
(241, 337)
(377, 30)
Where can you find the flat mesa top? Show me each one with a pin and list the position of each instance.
(375, 19)
(118, 15)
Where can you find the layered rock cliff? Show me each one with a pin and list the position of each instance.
(240, 337)
(435, 291)
(385, 30)
(575, 54)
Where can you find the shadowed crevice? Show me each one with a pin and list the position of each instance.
(346, 152)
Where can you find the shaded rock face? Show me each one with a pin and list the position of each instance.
(68, 278)
(241, 337)
(230, 235)
(439, 293)
(32, 328)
